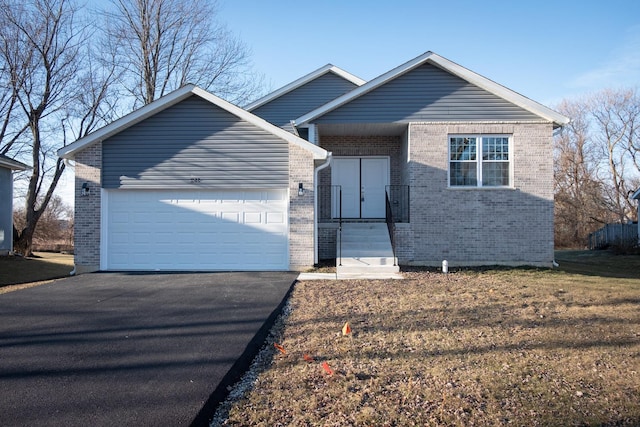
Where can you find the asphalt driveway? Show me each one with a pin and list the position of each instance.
(130, 349)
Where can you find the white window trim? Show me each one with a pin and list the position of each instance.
(479, 161)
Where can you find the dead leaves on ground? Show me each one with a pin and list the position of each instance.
(467, 349)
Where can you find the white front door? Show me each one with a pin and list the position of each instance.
(363, 181)
(346, 174)
(374, 177)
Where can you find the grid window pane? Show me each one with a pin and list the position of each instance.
(495, 174)
(495, 148)
(462, 148)
(463, 174)
(465, 155)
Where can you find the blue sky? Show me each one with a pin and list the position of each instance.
(545, 50)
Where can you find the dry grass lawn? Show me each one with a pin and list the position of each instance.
(44, 266)
(497, 347)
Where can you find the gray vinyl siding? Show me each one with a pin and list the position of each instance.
(194, 139)
(425, 94)
(6, 215)
(300, 101)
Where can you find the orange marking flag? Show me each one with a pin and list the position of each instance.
(279, 347)
(327, 368)
(307, 358)
(346, 329)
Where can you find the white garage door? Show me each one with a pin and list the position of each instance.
(195, 230)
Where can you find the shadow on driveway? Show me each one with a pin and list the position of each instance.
(131, 349)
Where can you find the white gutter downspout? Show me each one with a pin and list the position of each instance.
(315, 205)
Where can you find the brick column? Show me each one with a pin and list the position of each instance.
(87, 209)
(300, 208)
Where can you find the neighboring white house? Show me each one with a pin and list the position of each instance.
(636, 196)
(460, 166)
(7, 166)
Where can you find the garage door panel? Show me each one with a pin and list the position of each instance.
(196, 230)
(207, 239)
(163, 218)
(275, 218)
(252, 218)
(232, 217)
(119, 238)
(118, 258)
(163, 239)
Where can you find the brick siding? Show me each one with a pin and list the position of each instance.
(301, 169)
(465, 226)
(88, 164)
(327, 241)
(482, 226)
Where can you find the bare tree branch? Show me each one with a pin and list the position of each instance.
(596, 164)
(41, 45)
(164, 44)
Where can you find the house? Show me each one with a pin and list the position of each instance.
(636, 196)
(458, 166)
(7, 166)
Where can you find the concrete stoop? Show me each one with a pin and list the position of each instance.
(366, 252)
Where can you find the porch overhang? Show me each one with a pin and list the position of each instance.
(361, 129)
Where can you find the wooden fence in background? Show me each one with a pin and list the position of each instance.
(614, 234)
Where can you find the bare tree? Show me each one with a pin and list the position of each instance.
(161, 45)
(596, 164)
(579, 200)
(616, 121)
(55, 227)
(41, 48)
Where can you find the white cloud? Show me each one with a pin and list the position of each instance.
(620, 68)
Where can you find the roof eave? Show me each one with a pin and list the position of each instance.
(499, 90)
(127, 121)
(329, 68)
(318, 152)
(173, 98)
(12, 164)
(359, 91)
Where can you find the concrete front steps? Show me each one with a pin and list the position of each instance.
(366, 252)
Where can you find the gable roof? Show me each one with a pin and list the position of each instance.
(173, 98)
(9, 163)
(448, 66)
(329, 68)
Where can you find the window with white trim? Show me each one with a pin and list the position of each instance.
(479, 161)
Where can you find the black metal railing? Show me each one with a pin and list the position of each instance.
(397, 203)
(339, 234)
(330, 210)
(398, 197)
(390, 225)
